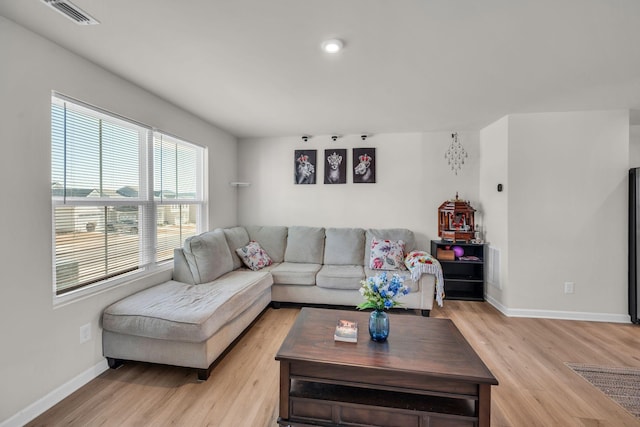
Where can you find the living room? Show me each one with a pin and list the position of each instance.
(561, 216)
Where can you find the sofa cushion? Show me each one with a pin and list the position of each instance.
(405, 274)
(340, 277)
(305, 244)
(272, 239)
(181, 270)
(181, 312)
(388, 234)
(208, 256)
(253, 256)
(387, 255)
(344, 246)
(237, 237)
(295, 273)
(269, 267)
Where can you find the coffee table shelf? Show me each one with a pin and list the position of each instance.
(313, 402)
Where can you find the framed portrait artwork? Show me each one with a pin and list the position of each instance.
(304, 166)
(335, 166)
(364, 165)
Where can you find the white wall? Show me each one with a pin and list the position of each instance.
(494, 169)
(413, 179)
(40, 349)
(568, 212)
(634, 146)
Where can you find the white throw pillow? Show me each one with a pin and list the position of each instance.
(254, 256)
(386, 255)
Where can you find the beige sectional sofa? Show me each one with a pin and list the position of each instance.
(191, 320)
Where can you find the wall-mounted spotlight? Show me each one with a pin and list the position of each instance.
(364, 136)
(305, 138)
(335, 137)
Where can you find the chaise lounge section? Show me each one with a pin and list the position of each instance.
(213, 297)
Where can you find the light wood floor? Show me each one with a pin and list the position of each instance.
(526, 355)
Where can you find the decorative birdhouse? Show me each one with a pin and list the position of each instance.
(456, 220)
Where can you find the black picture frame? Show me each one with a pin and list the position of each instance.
(335, 166)
(304, 166)
(364, 165)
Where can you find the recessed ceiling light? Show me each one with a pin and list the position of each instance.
(332, 46)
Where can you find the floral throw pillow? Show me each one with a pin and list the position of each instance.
(386, 255)
(254, 256)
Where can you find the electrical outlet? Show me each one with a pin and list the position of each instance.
(85, 333)
(569, 287)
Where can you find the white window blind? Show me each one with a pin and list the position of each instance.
(178, 191)
(109, 217)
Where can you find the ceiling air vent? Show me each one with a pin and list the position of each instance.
(71, 11)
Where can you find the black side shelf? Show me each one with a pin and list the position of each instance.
(464, 279)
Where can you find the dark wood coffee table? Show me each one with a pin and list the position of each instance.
(426, 374)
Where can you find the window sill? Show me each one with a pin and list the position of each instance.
(151, 274)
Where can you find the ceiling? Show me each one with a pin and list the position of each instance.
(255, 69)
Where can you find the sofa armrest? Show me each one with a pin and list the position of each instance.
(427, 285)
(181, 270)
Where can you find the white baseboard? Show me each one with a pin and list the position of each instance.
(561, 315)
(494, 302)
(56, 396)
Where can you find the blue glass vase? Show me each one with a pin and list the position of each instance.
(379, 325)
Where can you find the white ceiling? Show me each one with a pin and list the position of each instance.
(254, 67)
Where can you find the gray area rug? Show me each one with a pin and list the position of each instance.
(620, 384)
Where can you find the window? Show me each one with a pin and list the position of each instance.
(124, 196)
(177, 192)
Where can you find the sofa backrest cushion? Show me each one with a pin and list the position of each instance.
(181, 270)
(208, 256)
(344, 246)
(272, 238)
(305, 245)
(237, 237)
(389, 234)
